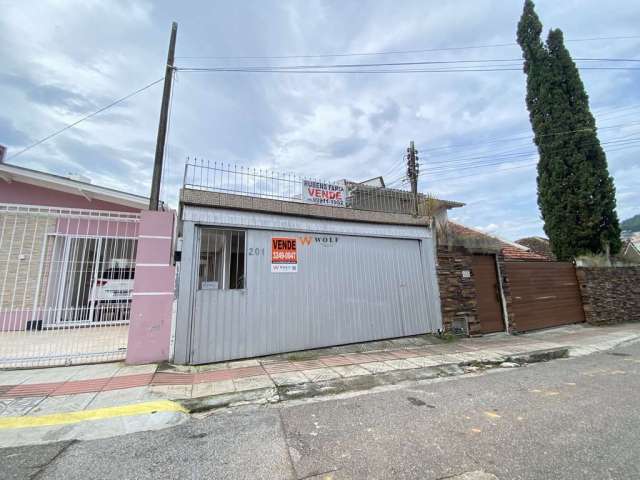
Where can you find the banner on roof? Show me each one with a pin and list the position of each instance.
(323, 193)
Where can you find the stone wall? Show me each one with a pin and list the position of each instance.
(610, 295)
(457, 293)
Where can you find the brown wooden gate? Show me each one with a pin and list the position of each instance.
(487, 294)
(543, 294)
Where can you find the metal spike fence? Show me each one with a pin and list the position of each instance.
(66, 280)
(262, 183)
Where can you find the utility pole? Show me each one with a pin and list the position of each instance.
(154, 200)
(412, 173)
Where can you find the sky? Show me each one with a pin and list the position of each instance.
(64, 59)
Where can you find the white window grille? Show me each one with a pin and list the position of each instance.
(222, 259)
(66, 283)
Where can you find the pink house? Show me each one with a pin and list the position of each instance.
(71, 279)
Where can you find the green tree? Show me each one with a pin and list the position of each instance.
(576, 194)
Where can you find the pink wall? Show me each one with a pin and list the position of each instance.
(153, 290)
(26, 194)
(103, 227)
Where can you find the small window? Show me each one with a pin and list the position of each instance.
(118, 274)
(222, 255)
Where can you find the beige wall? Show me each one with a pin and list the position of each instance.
(22, 237)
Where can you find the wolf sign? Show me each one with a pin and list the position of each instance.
(321, 193)
(284, 255)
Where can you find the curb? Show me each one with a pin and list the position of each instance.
(283, 393)
(212, 402)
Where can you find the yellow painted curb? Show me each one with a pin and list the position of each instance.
(96, 414)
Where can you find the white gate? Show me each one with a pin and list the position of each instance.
(66, 282)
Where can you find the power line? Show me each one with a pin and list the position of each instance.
(262, 68)
(396, 52)
(378, 71)
(86, 117)
(517, 150)
(619, 146)
(525, 165)
(525, 137)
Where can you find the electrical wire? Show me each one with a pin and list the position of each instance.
(517, 150)
(493, 173)
(524, 137)
(397, 52)
(437, 175)
(86, 117)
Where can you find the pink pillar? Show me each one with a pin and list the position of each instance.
(153, 290)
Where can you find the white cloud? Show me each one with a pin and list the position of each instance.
(63, 59)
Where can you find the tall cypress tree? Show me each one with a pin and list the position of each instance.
(576, 195)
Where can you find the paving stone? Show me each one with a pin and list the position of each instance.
(490, 356)
(114, 398)
(252, 383)
(136, 370)
(50, 375)
(308, 364)
(101, 370)
(423, 361)
(403, 354)
(452, 358)
(336, 361)
(377, 367)
(252, 362)
(13, 377)
(213, 388)
(16, 407)
(173, 391)
(350, 370)
(63, 404)
(289, 378)
(284, 367)
(468, 356)
(399, 364)
(320, 374)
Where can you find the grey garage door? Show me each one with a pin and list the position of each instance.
(346, 289)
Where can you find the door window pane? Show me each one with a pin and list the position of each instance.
(222, 259)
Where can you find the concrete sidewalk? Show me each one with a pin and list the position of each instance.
(48, 400)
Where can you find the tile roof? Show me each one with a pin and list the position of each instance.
(510, 250)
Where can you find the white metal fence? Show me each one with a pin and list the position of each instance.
(254, 182)
(66, 283)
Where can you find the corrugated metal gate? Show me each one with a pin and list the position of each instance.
(544, 294)
(347, 288)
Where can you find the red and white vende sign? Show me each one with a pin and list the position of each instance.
(321, 193)
(284, 255)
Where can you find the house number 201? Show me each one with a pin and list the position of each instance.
(256, 251)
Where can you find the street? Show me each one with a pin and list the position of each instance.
(569, 419)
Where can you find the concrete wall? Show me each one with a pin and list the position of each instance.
(610, 295)
(153, 290)
(244, 202)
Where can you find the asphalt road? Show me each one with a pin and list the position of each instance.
(566, 419)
